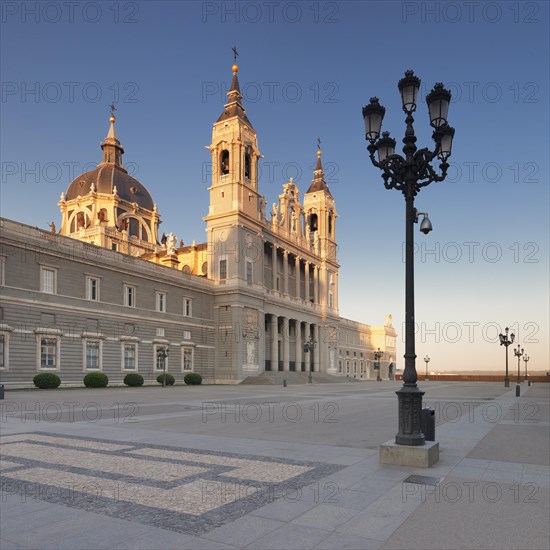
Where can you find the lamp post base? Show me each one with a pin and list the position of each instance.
(506, 382)
(410, 410)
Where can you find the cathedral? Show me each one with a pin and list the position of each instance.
(106, 293)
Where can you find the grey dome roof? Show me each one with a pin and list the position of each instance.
(105, 177)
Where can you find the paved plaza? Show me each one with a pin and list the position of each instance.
(271, 467)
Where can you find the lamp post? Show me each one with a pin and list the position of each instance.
(518, 353)
(526, 360)
(377, 355)
(162, 353)
(408, 174)
(506, 341)
(310, 345)
(427, 359)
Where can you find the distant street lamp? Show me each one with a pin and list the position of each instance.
(526, 359)
(427, 359)
(505, 341)
(162, 353)
(409, 173)
(377, 355)
(518, 353)
(310, 345)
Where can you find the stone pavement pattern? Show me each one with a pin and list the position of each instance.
(270, 467)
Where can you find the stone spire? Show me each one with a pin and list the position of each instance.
(112, 149)
(318, 183)
(234, 107)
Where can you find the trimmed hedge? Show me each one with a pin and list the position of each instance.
(170, 380)
(96, 380)
(133, 379)
(46, 380)
(192, 379)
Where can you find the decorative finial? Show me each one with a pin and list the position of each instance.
(235, 67)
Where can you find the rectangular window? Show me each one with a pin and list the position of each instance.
(2, 351)
(92, 355)
(92, 292)
(187, 307)
(223, 270)
(47, 280)
(187, 358)
(249, 271)
(129, 296)
(48, 353)
(161, 302)
(187, 335)
(160, 332)
(130, 355)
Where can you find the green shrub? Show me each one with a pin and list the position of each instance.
(133, 379)
(96, 380)
(46, 380)
(170, 380)
(192, 379)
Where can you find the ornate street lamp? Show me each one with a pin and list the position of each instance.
(505, 341)
(310, 345)
(408, 173)
(526, 360)
(518, 353)
(377, 355)
(427, 359)
(162, 353)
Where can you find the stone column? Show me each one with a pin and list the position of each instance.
(297, 270)
(274, 266)
(285, 272)
(274, 343)
(306, 280)
(307, 355)
(299, 344)
(316, 284)
(316, 350)
(335, 290)
(286, 348)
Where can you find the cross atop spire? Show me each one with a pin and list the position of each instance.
(235, 53)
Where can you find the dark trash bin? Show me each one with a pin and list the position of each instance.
(427, 424)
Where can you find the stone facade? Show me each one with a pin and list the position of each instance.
(261, 293)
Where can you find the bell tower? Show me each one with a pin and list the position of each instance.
(236, 211)
(320, 220)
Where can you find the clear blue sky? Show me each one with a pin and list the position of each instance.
(306, 70)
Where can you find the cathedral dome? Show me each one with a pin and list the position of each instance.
(110, 174)
(105, 178)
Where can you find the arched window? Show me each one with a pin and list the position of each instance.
(247, 166)
(313, 222)
(133, 227)
(330, 225)
(224, 162)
